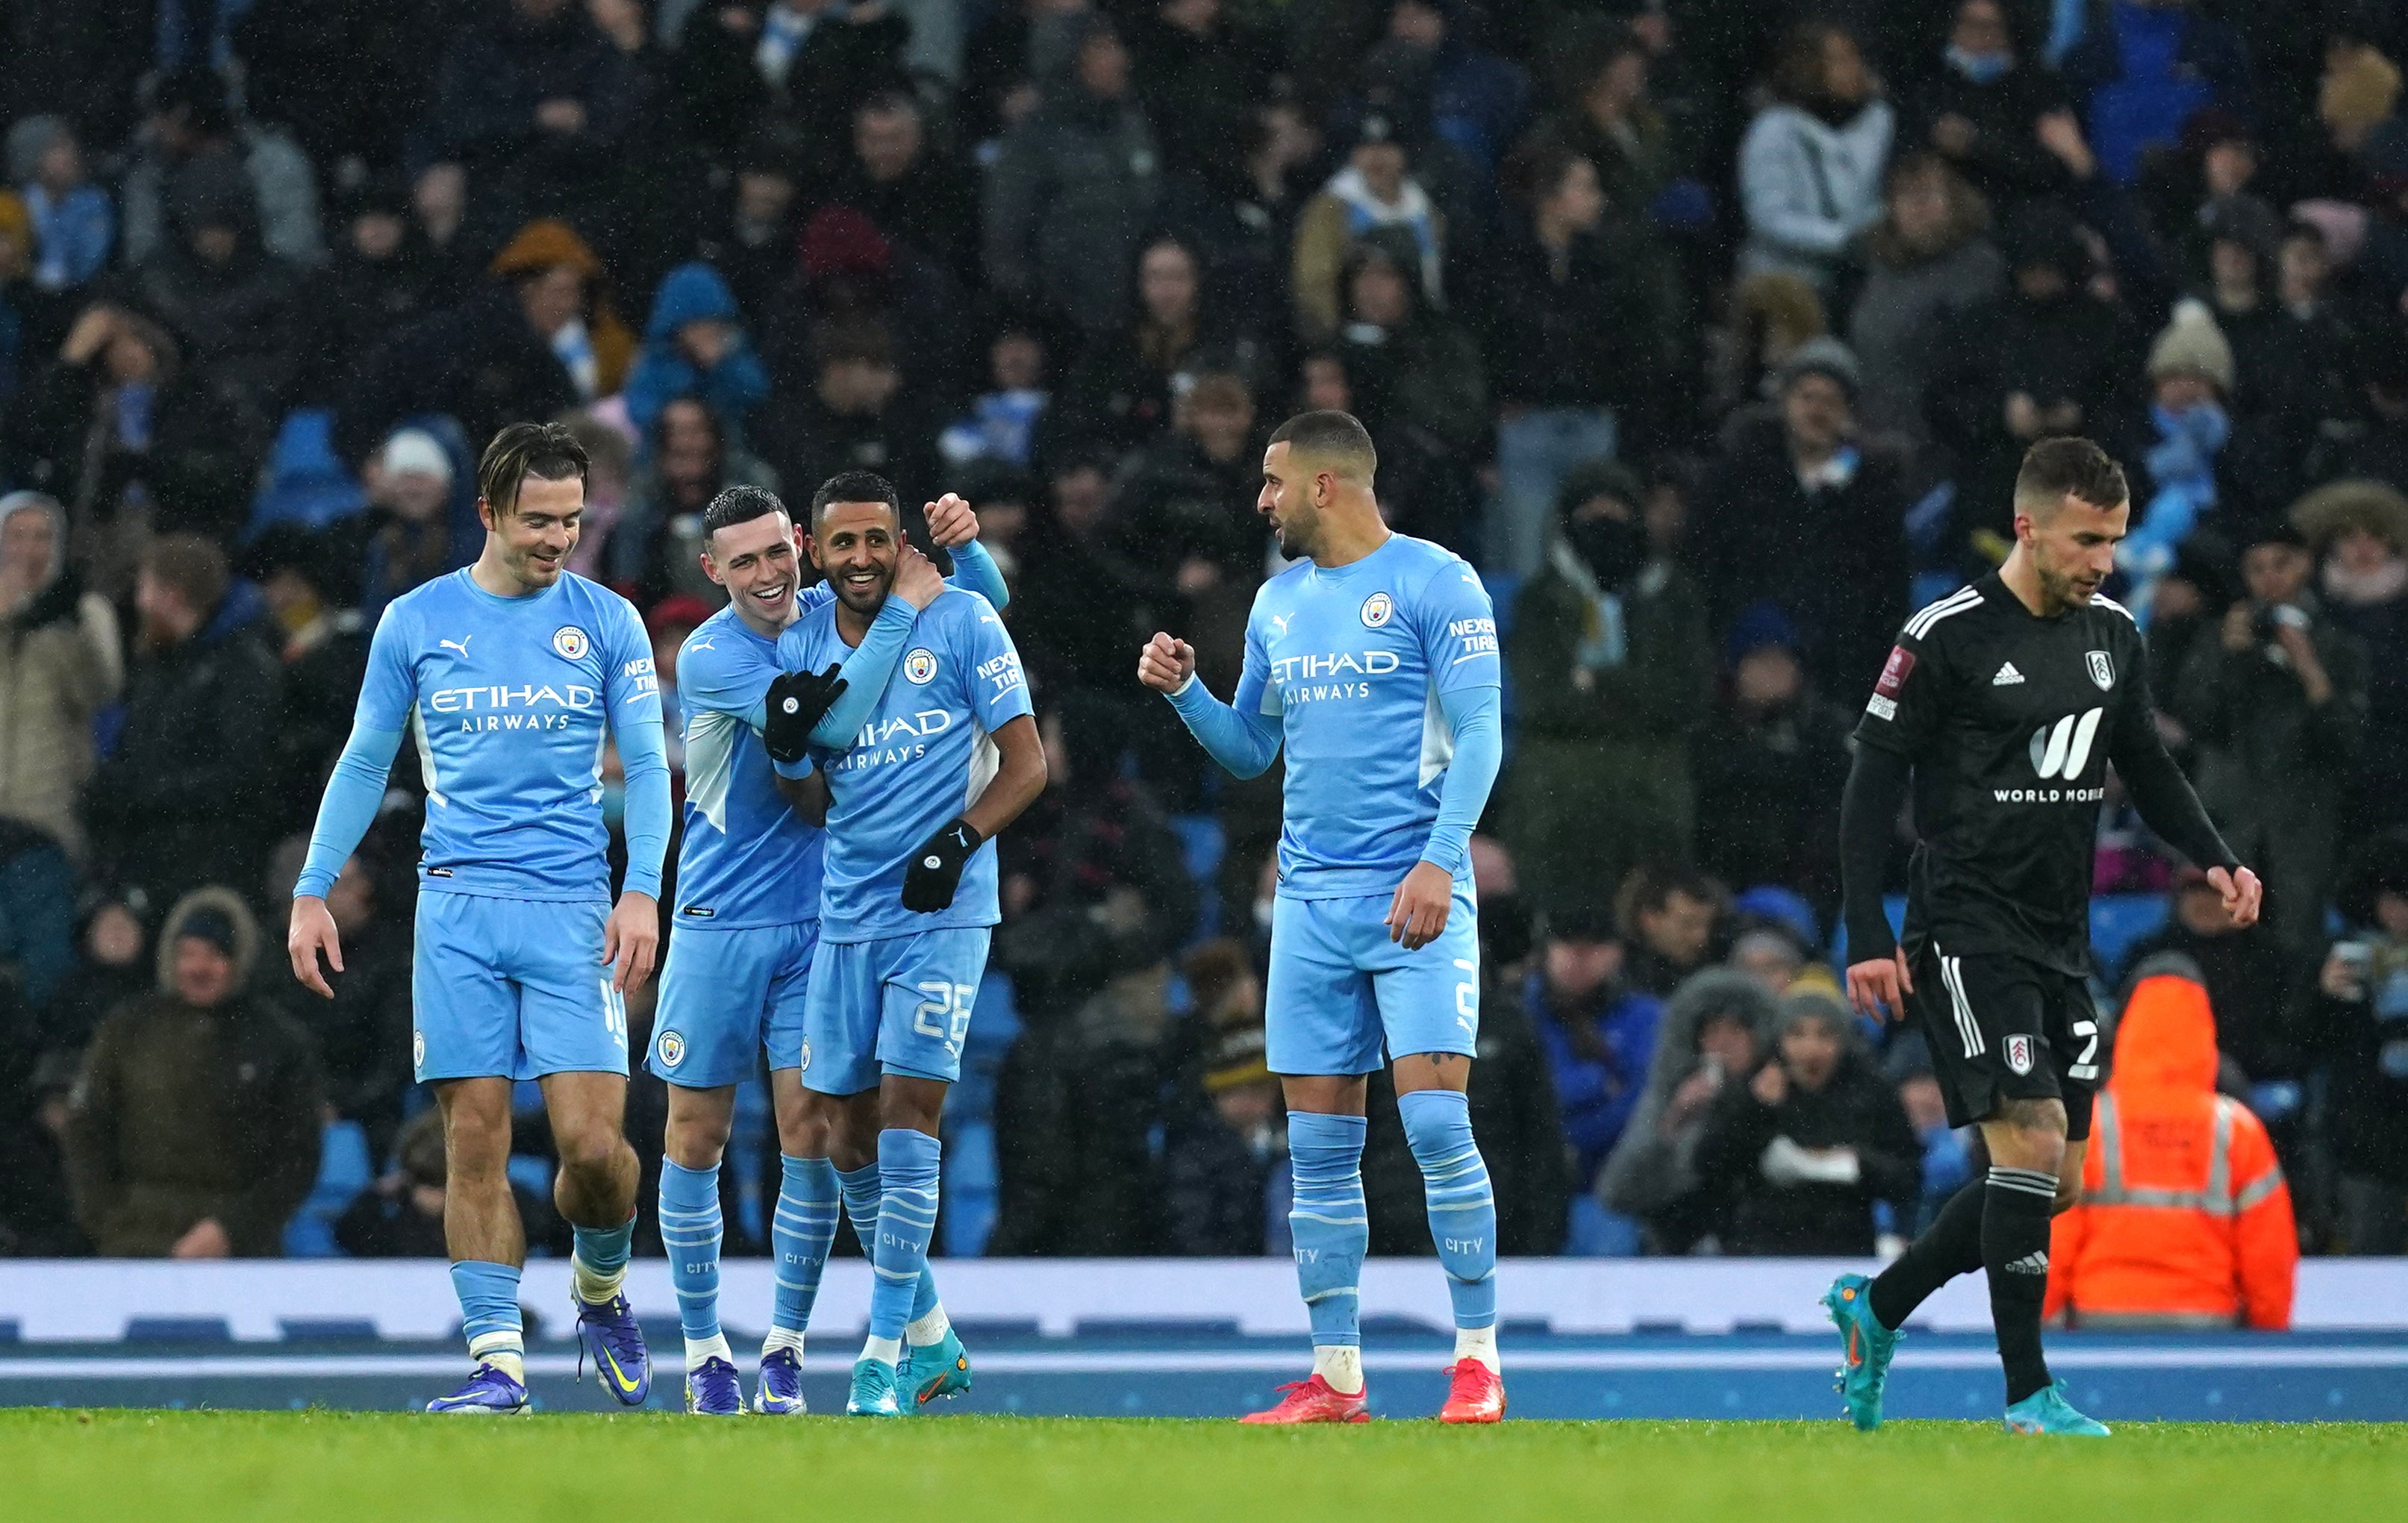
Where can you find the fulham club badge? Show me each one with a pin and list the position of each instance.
(2019, 1054)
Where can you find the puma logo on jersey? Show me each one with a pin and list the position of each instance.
(460, 645)
(2008, 676)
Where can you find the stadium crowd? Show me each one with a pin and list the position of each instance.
(1711, 331)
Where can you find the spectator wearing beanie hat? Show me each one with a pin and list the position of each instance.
(1800, 515)
(1810, 1140)
(2190, 375)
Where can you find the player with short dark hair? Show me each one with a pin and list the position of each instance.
(1373, 660)
(911, 803)
(2004, 702)
(748, 908)
(507, 674)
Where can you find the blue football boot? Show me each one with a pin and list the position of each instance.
(1868, 1348)
(2048, 1411)
(607, 1330)
(780, 1391)
(939, 1368)
(713, 1390)
(489, 1393)
(873, 1390)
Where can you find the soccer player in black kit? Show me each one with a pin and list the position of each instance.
(2005, 701)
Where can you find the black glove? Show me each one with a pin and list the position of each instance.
(798, 701)
(936, 869)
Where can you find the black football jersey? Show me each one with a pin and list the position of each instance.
(2010, 721)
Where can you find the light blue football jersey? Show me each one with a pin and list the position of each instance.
(922, 759)
(746, 859)
(509, 701)
(1351, 663)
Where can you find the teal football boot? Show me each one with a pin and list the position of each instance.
(873, 1390)
(939, 1368)
(1869, 1347)
(2048, 1411)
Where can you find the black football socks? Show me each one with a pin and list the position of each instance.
(2015, 1255)
(1950, 1246)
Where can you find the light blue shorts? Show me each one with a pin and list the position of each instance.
(1339, 990)
(899, 1005)
(513, 989)
(727, 995)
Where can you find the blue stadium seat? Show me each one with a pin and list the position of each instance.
(1202, 847)
(2118, 920)
(344, 1170)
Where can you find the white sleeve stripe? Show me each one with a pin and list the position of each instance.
(1954, 603)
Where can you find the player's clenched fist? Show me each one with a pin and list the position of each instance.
(1165, 664)
(951, 522)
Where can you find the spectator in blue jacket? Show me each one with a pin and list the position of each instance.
(696, 346)
(74, 223)
(1597, 1033)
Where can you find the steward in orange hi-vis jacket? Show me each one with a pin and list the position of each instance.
(2185, 1219)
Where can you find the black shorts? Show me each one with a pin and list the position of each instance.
(2004, 1028)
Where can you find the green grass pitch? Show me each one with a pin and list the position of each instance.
(338, 1467)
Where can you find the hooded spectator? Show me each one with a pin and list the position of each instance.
(1929, 257)
(187, 795)
(696, 346)
(1376, 192)
(60, 662)
(192, 120)
(1074, 186)
(1810, 168)
(1715, 1030)
(193, 1127)
(2185, 1220)
(1805, 1146)
(1803, 516)
(379, 279)
(73, 222)
(112, 966)
(234, 306)
(1610, 661)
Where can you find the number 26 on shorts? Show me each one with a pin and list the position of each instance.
(945, 1014)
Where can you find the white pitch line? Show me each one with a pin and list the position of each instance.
(1200, 1362)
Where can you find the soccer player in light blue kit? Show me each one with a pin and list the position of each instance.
(510, 675)
(948, 756)
(747, 913)
(1373, 659)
